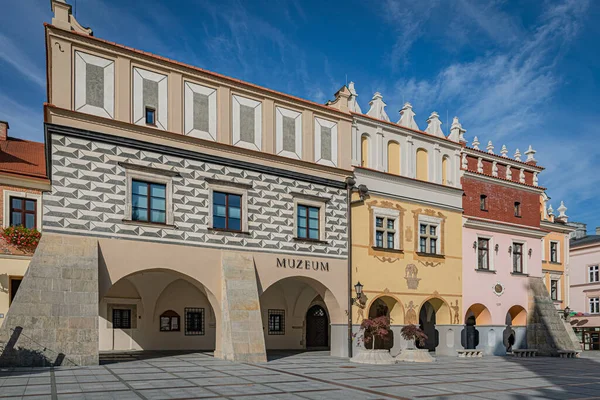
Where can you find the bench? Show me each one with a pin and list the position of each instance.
(524, 352)
(569, 353)
(470, 353)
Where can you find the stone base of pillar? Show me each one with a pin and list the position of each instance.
(415, 355)
(380, 357)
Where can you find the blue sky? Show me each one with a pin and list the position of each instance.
(516, 73)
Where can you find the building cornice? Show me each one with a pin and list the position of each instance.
(554, 227)
(503, 227)
(502, 160)
(504, 182)
(27, 182)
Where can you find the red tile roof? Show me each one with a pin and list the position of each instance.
(22, 157)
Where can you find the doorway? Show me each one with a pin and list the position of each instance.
(317, 328)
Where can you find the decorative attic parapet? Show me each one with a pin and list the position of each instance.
(457, 133)
(64, 19)
(434, 125)
(342, 100)
(562, 210)
(377, 109)
(352, 102)
(407, 117)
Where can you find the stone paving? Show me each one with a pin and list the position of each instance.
(312, 375)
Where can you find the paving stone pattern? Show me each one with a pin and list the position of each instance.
(312, 375)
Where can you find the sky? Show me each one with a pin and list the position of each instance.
(514, 72)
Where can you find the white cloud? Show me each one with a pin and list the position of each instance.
(12, 54)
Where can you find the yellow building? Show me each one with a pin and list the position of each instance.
(407, 231)
(555, 252)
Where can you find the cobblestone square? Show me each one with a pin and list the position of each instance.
(311, 375)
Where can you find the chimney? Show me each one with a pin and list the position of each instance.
(3, 130)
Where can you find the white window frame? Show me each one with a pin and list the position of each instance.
(490, 252)
(238, 101)
(589, 271)
(189, 89)
(594, 302)
(281, 112)
(557, 252)
(311, 201)
(229, 188)
(524, 256)
(81, 59)
(384, 213)
(151, 175)
(319, 122)
(23, 195)
(425, 219)
(558, 279)
(139, 108)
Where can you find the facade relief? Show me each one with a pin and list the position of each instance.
(411, 272)
(411, 314)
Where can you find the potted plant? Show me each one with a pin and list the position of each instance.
(370, 330)
(413, 335)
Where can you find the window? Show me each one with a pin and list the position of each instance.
(553, 252)
(517, 258)
(428, 238)
(276, 322)
(227, 211)
(385, 232)
(148, 202)
(594, 274)
(169, 321)
(194, 321)
(308, 222)
(517, 209)
(595, 305)
(23, 212)
(554, 289)
(150, 116)
(121, 318)
(483, 202)
(483, 253)
(13, 286)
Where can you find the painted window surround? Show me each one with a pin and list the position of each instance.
(429, 220)
(312, 201)
(230, 188)
(387, 213)
(491, 252)
(24, 195)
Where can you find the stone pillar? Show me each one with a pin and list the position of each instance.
(491, 339)
(339, 340)
(520, 337)
(53, 319)
(242, 337)
(449, 336)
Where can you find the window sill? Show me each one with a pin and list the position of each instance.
(554, 262)
(152, 224)
(228, 231)
(297, 239)
(387, 250)
(430, 255)
(519, 274)
(487, 271)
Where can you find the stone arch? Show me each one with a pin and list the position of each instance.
(480, 313)
(364, 150)
(516, 316)
(422, 165)
(441, 308)
(393, 157)
(433, 311)
(394, 305)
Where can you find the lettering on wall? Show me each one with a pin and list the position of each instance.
(293, 263)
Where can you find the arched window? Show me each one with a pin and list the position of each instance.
(445, 170)
(169, 321)
(393, 158)
(422, 165)
(364, 151)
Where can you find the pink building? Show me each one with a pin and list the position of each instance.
(502, 246)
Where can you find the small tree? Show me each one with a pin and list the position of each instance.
(413, 333)
(374, 327)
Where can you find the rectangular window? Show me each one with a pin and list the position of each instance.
(553, 252)
(13, 286)
(554, 289)
(148, 202)
(594, 273)
(227, 211)
(121, 318)
(23, 212)
(518, 258)
(385, 232)
(150, 116)
(276, 322)
(194, 321)
(483, 253)
(517, 209)
(595, 305)
(428, 238)
(483, 202)
(308, 222)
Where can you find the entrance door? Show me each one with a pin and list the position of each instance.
(317, 327)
